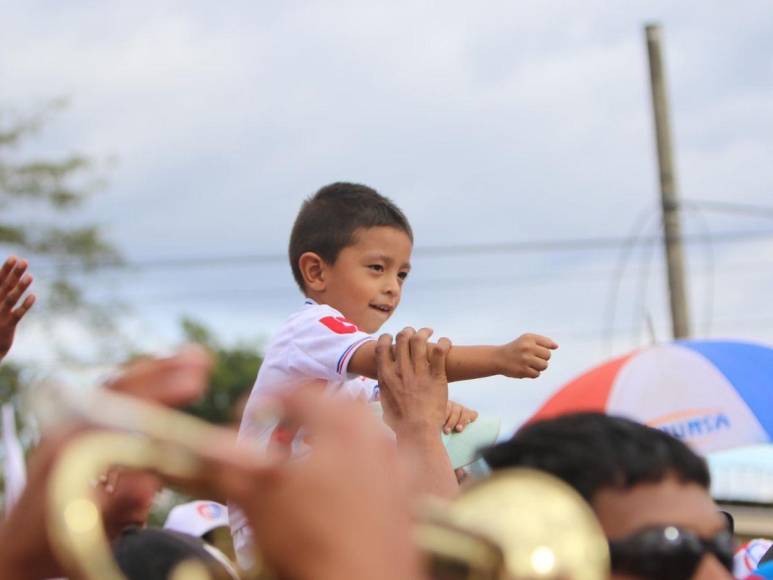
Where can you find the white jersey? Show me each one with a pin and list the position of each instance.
(314, 346)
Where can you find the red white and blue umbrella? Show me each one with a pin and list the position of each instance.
(712, 394)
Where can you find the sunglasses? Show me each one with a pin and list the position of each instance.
(668, 553)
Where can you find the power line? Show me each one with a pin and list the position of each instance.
(748, 209)
(536, 246)
(437, 285)
(627, 247)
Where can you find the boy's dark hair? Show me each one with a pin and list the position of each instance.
(592, 451)
(328, 220)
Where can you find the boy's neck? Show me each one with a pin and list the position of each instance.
(315, 298)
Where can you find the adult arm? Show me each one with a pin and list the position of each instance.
(344, 511)
(414, 394)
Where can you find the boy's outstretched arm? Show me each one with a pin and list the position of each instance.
(524, 358)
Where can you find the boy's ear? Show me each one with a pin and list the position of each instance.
(313, 268)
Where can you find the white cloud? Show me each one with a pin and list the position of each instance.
(503, 122)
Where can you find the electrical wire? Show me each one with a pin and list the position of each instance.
(640, 313)
(537, 246)
(749, 209)
(626, 249)
(710, 272)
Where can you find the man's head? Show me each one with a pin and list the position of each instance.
(350, 247)
(648, 489)
(150, 553)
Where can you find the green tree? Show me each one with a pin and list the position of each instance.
(232, 377)
(38, 196)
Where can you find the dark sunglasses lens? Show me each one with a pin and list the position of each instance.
(659, 555)
(723, 547)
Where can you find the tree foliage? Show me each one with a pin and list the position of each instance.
(232, 377)
(36, 193)
(10, 383)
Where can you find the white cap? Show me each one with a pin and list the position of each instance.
(197, 517)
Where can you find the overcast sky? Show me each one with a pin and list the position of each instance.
(489, 122)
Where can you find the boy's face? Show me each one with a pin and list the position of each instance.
(365, 282)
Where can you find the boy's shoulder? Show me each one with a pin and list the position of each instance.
(315, 342)
(314, 316)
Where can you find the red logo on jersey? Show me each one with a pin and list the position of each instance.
(339, 324)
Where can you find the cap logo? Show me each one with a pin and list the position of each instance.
(209, 511)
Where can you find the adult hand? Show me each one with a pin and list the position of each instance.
(125, 498)
(126, 495)
(414, 393)
(343, 511)
(25, 550)
(13, 284)
(412, 383)
(172, 381)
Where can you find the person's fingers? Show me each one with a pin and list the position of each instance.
(12, 297)
(236, 469)
(437, 358)
(531, 373)
(111, 480)
(12, 279)
(385, 362)
(452, 420)
(468, 416)
(545, 341)
(538, 364)
(19, 313)
(173, 381)
(403, 354)
(8, 265)
(319, 414)
(542, 352)
(384, 348)
(418, 344)
(384, 356)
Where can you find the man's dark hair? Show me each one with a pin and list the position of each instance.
(592, 451)
(150, 553)
(329, 219)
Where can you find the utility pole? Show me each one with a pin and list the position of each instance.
(677, 285)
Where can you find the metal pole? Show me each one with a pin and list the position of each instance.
(680, 320)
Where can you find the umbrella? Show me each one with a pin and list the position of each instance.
(712, 394)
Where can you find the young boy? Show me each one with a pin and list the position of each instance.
(350, 252)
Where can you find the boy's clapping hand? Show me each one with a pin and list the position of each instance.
(526, 357)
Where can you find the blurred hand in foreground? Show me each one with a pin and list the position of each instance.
(25, 552)
(173, 381)
(13, 283)
(344, 511)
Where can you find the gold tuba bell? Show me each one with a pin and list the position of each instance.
(516, 524)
